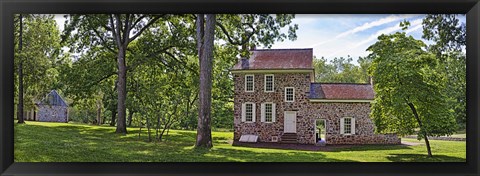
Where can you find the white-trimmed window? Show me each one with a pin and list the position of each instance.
(269, 83)
(347, 125)
(248, 112)
(289, 94)
(268, 112)
(249, 83)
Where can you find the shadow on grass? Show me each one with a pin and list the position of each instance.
(343, 148)
(423, 158)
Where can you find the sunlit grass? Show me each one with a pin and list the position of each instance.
(62, 142)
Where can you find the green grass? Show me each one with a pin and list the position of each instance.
(62, 142)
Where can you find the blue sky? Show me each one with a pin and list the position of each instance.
(340, 35)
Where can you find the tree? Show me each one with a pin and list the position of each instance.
(205, 25)
(20, 76)
(448, 36)
(408, 90)
(37, 57)
(340, 69)
(114, 31)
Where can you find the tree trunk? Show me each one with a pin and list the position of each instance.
(114, 114)
(425, 134)
(99, 115)
(122, 91)
(205, 37)
(20, 76)
(130, 117)
(148, 130)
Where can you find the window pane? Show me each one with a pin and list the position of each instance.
(248, 112)
(268, 112)
(269, 83)
(347, 125)
(289, 94)
(249, 82)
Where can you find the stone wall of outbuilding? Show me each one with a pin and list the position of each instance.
(307, 113)
(47, 113)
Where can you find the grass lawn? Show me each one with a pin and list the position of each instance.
(62, 142)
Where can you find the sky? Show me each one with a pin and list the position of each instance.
(340, 35)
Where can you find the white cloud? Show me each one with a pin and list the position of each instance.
(366, 26)
(417, 24)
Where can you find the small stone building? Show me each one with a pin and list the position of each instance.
(277, 100)
(52, 108)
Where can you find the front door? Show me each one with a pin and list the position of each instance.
(290, 122)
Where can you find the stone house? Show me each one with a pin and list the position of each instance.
(277, 100)
(52, 108)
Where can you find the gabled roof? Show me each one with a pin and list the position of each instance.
(341, 91)
(271, 59)
(53, 99)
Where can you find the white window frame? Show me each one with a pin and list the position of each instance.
(253, 83)
(293, 99)
(265, 83)
(244, 112)
(352, 125)
(264, 112)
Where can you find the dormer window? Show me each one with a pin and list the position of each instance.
(269, 83)
(249, 83)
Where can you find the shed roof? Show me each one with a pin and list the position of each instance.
(53, 99)
(341, 91)
(264, 59)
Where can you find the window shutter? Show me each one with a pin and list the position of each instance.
(254, 112)
(341, 125)
(273, 112)
(243, 112)
(353, 125)
(262, 118)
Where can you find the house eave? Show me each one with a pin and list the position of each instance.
(341, 101)
(273, 71)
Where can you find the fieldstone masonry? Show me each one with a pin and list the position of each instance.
(307, 113)
(48, 113)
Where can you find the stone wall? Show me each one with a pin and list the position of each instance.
(332, 112)
(307, 113)
(47, 113)
(265, 131)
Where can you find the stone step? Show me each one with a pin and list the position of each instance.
(290, 138)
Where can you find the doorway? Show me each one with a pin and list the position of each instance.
(290, 122)
(320, 130)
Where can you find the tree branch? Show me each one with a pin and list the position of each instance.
(230, 40)
(114, 31)
(101, 79)
(138, 20)
(145, 27)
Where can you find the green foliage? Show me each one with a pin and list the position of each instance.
(41, 56)
(340, 70)
(406, 80)
(61, 142)
(255, 30)
(448, 36)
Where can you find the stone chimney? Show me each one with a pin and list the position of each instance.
(245, 63)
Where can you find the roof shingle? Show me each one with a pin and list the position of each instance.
(277, 59)
(341, 91)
